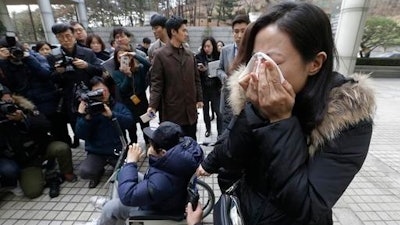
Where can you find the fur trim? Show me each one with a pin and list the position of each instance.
(24, 103)
(348, 104)
(237, 96)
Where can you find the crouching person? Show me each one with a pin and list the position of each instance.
(24, 130)
(95, 126)
(172, 162)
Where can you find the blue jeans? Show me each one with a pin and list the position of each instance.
(9, 173)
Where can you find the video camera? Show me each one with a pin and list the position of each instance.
(94, 101)
(15, 50)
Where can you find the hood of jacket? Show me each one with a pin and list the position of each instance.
(348, 104)
(181, 160)
(24, 103)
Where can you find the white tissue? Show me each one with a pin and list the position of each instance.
(257, 58)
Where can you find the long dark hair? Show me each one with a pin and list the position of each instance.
(309, 30)
(214, 53)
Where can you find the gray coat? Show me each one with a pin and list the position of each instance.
(226, 58)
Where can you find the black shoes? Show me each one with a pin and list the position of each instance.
(208, 133)
(93, 183)
(54, 185)
(75, 144)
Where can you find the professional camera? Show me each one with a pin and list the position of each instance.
(65, 61)
(15, 50)
(93, 98)
(7, 108)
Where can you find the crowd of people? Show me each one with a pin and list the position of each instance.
(294, 145)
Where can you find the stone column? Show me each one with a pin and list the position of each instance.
(82, 14)
(5, 17)
(47, 20)
(353, 14)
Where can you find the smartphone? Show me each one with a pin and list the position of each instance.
(147, 117)
(125, 61)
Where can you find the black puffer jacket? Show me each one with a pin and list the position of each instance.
(285, 180)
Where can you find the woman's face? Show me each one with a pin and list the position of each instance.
(208, 48)
(95, 45)
(220, 45)
(276, 44)
(45, 50)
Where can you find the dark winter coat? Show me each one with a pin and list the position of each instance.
(164, 186)
(68, 79)
(32, 80)
(175, 85)
(288, 177)
(26, 140)
(99, 133)
(136, 83)
(208, 84)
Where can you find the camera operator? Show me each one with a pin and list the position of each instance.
(26, 76)
(95, 126)
(74, 64)
(25, 133)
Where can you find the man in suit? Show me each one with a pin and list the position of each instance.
(228, 53)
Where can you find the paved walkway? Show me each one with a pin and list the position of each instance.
(372, 198)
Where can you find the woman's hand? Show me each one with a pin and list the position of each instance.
(134, 153)
(200, 172)
(126, 70)
(82, 107)
(273, 100)
(107, 111)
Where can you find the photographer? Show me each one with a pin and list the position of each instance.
(73, 65)
(130, 77)
(95, 126)
(24, 131)
(26, 76)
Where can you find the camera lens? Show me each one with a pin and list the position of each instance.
(17, 53)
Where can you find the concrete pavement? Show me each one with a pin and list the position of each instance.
(372, 198)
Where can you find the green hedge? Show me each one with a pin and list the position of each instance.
(378, 61)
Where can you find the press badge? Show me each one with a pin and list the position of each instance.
(135, 99)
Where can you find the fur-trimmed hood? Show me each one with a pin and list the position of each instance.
(348, 104)
(24, 103)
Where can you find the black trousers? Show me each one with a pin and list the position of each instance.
(137, 110)
(213, 96)
(190, 130)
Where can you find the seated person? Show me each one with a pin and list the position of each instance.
(95, 126)
(172, 162)
(24, 132)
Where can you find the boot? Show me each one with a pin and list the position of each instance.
(76, 142)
